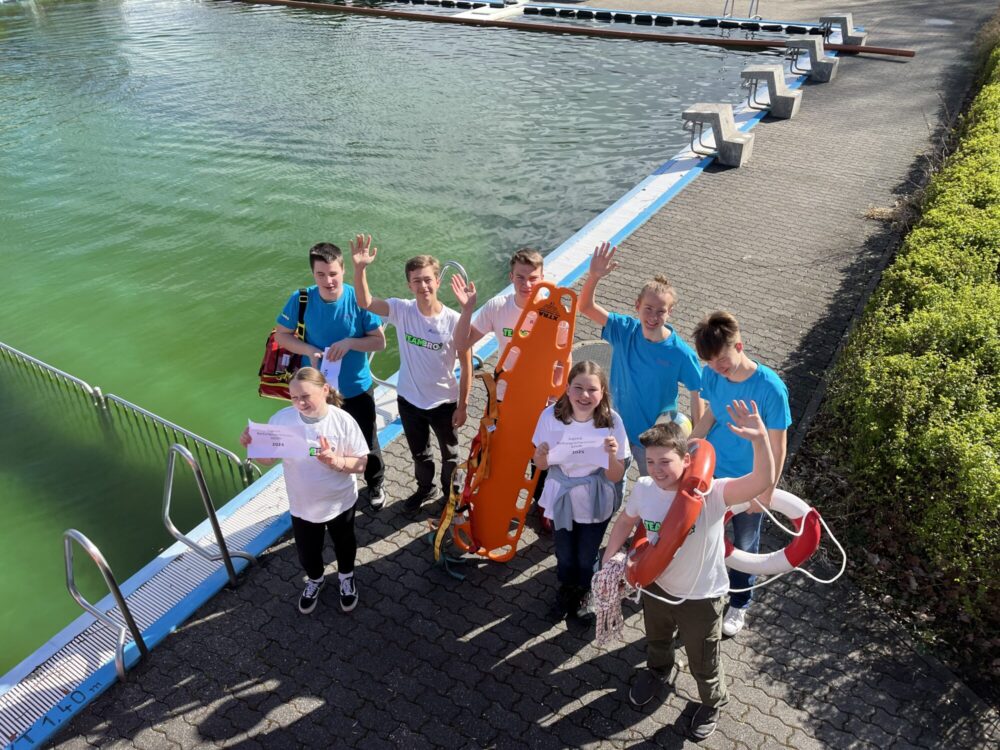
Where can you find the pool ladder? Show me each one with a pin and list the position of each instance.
(729, 9)
(72, 535)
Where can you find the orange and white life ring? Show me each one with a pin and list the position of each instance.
(807, 525)
(647, 561)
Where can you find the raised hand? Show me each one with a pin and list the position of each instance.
(746, 421)
(466, 295)
(603, 262)
(362, 252)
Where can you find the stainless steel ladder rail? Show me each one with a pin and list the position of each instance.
(72, 535)
(729, 9)
(224, 554)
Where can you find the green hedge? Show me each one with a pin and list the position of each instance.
(917, 391)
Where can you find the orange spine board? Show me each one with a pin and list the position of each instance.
(530, 371)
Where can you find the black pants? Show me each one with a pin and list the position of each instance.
(362, 408)
(309, 543)
(417, 426)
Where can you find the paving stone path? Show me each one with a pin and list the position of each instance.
(427, 661)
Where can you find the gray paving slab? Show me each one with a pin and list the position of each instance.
(427, 661)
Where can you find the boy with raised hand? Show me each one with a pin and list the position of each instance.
(500, 314)
(648, 358)
(335, 323)
(428, 395)
(730, 374)
(688, 597)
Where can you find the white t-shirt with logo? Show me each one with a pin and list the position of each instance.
(550, 430)
(426, 352)
(316, 492)
(499, 316)
(698, 570)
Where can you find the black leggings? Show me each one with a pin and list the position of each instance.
(309, 543)
(362, 408)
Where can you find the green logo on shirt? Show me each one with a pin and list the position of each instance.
(424, 343)
(509, 332)
(652, 525)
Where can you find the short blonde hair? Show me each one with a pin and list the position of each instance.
(527, 256)
(658, 285)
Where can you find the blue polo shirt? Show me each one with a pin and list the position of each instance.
(327, 322)
(733, 454)
(645, 374)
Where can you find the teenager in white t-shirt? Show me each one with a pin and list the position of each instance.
(322, 489)
(427, 393)
(583, 488)
(499, 315)
(688, 597)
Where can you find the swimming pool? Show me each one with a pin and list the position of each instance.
(165, 164)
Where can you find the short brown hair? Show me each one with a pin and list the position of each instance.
(657, 285)
(527, 256)
(669, 435)
(714, 333)
(422, 261)
(325, 252)
(315, 377)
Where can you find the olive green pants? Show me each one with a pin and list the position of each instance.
(699, 623)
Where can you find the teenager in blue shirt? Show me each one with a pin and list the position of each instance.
(337, 324)
(730, 375)
(648, 358)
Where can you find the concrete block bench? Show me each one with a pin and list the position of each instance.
(781, 102)
(731, 147)
(821, 68)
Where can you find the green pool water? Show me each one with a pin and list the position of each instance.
(164, 167)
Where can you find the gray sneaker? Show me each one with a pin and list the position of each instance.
(704, 722)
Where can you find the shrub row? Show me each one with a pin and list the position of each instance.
(916, 395)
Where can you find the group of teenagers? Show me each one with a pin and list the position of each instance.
(737, 404)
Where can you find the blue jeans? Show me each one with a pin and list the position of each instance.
(576, 552)
(746, 536)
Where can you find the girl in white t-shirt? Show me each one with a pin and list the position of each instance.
(322, 488)
(581, 441)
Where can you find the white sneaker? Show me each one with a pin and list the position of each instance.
(734, 621)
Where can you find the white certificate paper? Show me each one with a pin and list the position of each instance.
(577, 449)
(276, 441)
(330, 370)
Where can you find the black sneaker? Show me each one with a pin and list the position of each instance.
(565, 603)
(413, 502)
(348, 594)
(310, 595)
(645, 686)
(376, 498)
(704, 722)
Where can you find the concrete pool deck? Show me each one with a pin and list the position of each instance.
(427, 661)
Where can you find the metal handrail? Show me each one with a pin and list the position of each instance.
(729, 9)
(241, 466)
(224, 554)
(95, 393)
(459, 269)
(72, 535)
